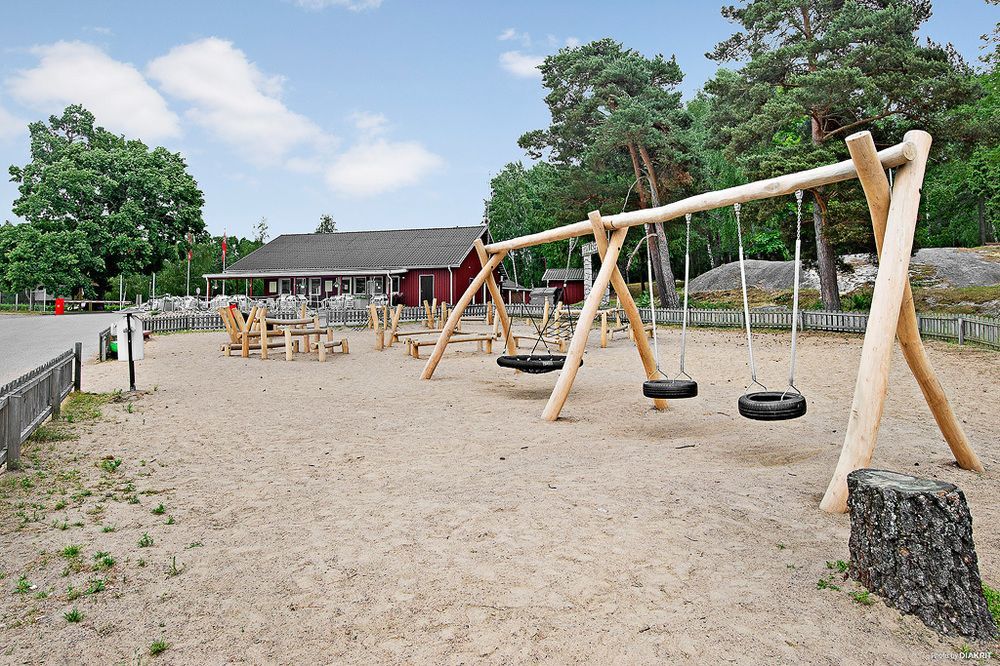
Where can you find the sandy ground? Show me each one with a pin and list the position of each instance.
(348, 512)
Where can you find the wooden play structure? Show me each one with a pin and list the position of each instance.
(893, 212)
(260, 333)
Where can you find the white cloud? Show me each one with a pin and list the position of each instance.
(572, 42)
(521, 64)
(115, 92)
(375, 165)
(234, 100)
(10, 126)
(370, 124)
(353, 5)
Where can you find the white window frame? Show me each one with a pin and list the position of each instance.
(396, 284)
(328, 286)
(363, 281)
(315, 286)
(272, 286)
(284, 286)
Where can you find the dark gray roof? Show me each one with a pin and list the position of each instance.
(563, 274)
(359, 250)
(513, 286)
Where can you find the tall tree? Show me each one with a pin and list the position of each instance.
(606, 102)
(260, 231)
(326, 224)
(818, 70)
(130, 205)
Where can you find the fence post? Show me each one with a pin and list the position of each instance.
(55, 391)
(961, 331)
(13, 431)
(77, 364)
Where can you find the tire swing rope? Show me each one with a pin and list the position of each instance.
(676, 387)
(771, 405)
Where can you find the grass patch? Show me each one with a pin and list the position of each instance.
(53, 432)
(156, 647)
(83, 407)
(73, 616)
(145, 541)
(839, 565)
(70, 551)
(103, 560)
(110, 464)
(159, 510)
(23, 585)
(863, 597)
(992, 602)
(96, 585)
(825, 584)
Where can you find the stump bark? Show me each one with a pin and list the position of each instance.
(911, 543)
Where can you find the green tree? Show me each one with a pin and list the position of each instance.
(326, 225)
(57, 261)
(608, 102)
(122, 207)
(816, 71)
(260, 231)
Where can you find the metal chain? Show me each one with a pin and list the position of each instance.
(746, 302)
(687, 274)
(795, 287)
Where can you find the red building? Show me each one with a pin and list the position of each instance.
(411, 265)
(570, 281)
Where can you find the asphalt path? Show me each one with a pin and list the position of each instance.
(27, 341)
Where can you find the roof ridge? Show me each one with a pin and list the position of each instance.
(379, 231)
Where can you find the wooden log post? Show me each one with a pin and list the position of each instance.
(434, 306)
(911, 544)
(627, 303)
(289, 349)
(77, 366)
(609, 264)
(456, 314)
(263, 332)
(397, 313)
(489, 313)
(876, 353)
(55, 392)
(15, 404)
(604, 330)
(876, 187)
(497, 295)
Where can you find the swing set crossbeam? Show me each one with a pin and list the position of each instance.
(891, 313)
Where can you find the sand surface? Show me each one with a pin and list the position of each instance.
(347, 512)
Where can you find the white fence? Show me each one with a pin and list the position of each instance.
(27, 401)
(959, 328)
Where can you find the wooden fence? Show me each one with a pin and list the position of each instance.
(959, 328)
(27, 401)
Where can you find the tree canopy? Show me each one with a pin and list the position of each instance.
(97, 205)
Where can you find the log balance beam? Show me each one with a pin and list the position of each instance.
(894, 215)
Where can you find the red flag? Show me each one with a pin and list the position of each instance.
(190, 242)
(223, 246)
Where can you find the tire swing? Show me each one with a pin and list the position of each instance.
(532, 363)
(677, 387)
(767, 405)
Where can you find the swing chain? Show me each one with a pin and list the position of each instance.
(746, 302)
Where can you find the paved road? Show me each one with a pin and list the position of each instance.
(27, 341)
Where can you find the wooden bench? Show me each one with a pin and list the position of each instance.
(413, 346)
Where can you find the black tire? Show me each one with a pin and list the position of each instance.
(772, 406)
(535, 364)
(670, 388)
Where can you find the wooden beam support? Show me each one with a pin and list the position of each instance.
(583, 323)
(497, 295)
(876, 187)
(876, 353)
(456, 314)
(627, 303)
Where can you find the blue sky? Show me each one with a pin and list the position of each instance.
(383, 113)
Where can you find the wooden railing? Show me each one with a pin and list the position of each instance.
(27, 401)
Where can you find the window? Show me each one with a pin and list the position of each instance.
(286, 286)
(328, 286)
(359, 286)
(272, 286)
(300, 286)
(314, 286)
(395, 284)
(378, 284)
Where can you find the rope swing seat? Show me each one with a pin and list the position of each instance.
(677, 387)
(538, 363)
(767, 405)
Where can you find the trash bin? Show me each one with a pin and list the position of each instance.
(122, 337)
(60, 306)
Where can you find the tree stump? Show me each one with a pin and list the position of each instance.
(911, 543)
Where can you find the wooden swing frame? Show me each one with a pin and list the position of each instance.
(892, 315)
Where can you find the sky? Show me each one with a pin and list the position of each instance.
(383, 113)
